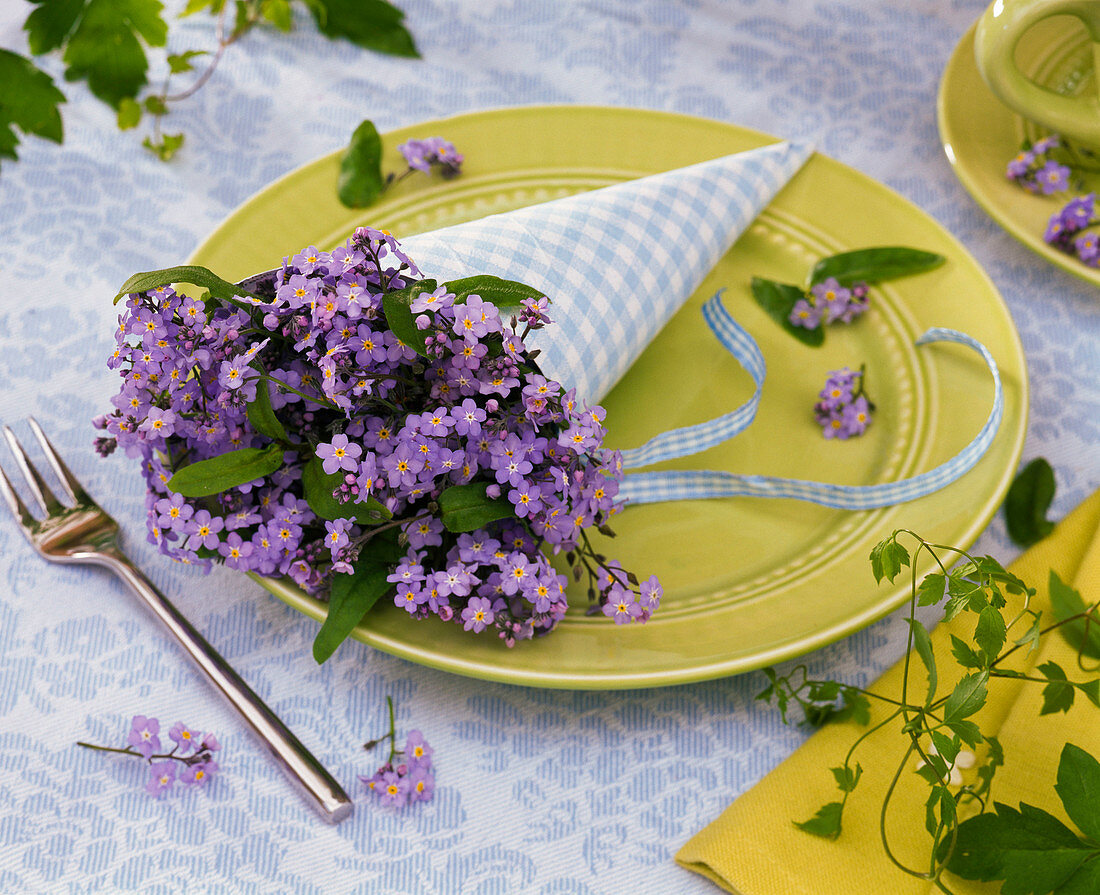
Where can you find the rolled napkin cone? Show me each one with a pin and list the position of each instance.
(617, 263)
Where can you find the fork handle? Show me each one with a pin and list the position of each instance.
(295, 760)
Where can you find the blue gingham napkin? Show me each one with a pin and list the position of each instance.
(617, 263)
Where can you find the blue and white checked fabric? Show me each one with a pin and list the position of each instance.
(618, 262)
(655, 487)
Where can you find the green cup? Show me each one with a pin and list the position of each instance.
(999, 30)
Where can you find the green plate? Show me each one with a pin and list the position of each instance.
(748, 582)
(980, 134)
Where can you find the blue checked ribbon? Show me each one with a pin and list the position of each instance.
(654, 487)
(693, 439)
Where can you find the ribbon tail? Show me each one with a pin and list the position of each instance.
(654, 487)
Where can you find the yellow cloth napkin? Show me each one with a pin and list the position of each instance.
(753, 848)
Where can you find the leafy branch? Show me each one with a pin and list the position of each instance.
(1030, 850)
(106, 43)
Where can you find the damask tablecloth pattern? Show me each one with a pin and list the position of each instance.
(538, 791)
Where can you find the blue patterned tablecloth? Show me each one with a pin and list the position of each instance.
(538, 791)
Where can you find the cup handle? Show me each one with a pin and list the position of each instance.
(999, 30)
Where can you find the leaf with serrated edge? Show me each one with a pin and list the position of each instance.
(1029, 848)
(1066, 603)
(989, 633)
(964, 654)
(825, 823)
(373, 24)
(967, 697)
(106, 46)
(28, 100)
(1059, 693)
(1078, 787)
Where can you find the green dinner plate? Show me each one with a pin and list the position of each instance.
(980, 134)
(747, 582)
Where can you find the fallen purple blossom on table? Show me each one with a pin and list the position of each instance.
(406, 776)
(190, 761)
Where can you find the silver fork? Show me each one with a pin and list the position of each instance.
(84, 533)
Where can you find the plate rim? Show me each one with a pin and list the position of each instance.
(627, 679)
(961, 63)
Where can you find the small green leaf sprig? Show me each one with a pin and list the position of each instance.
(935, 726)
(836, 288)
(106, 44)
(361, 181)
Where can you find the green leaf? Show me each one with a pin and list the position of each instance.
(967, 697)
(193, 6)
(964, 655)
(778, 300)
(468, 507)
(887, 559)
(226, 471)
(1030, 637)
(104, 41)
(166, 149)
(856, 706)
(178, 63)
(28, 101)
(277, 12)
(1091, 689)
(932, 589)
(923, 645)
(1058, 694)
(129, 114)
(50, 24)
(846, 777)
(1031, 850)
(262, 416)
(873, 265)
(318, 487)
(373, 24)
(1078, 787)
(946, 746)
(188, 273)
(360, 181)
(967, 731)
(825, 823)
(505, 294)
(1027, 502)
(154, 105)
(990, 632)
(402, 322)
(1082, 634)
(351, 596)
